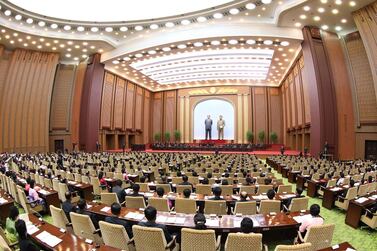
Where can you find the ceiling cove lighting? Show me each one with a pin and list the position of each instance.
(243, 64)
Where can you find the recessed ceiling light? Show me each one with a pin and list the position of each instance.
(266, 1)
(138, 55)
(182, 46)
(306, 8)
(215, 42)
(335, 11)
(234, 11)
(84, 56)
(321, 10)
(233, 41)
(115, 62)
(323, 1)
(109, 29)
(139, 28)
(298, 24)
(41, 23)
(54, 26)
(250, 6)
(123, 28)
(126, 58)
(169, 24)
(185, 22)
(39, 46)
(284, 43)
(267, 42)
(338, 28)
(250, 41)
(151, 52)
(201, 19)
(18, 17)
(67, 27)
(153, 26)
(316, 18)
(218, 15)
(29, 20)
(198, 44)
(7, 13)
(352, 3)
(344, 20)
(303, 16)
(80, 28)
(338, 2)
(68, 55)
(94, 29)
(324, 27)
(166, 49)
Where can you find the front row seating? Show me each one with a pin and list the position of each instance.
(198, 240)
(298, 247)
(244, 242)
(149, 238)
(115, 236)
(319, 236)
(84, 228)
(371, 222)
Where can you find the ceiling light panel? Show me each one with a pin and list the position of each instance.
(244, 64)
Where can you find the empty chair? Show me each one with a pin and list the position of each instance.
(55, 185)
(199, 240)
(298, 247)
(109, 198)
(343, 202)
(161, 204)
(97, 189)
(319, 236)
(372, 187)
(48, 183)
(227, 190)
(166, 187)
(115, 236)
(83, 227)
(363, 190)
(203, 189)
(264, 188)
(245, 208)
(59, 219)
(217, 207)
(298, 204)
(150, 238)
(269, 206)
(244, 242)
(181, 188)
(135, 202)
(370, 221)
(284, 189)
(186, 206)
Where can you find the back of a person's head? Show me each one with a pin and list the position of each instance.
(32, 183)
(315, 210)
(267, 181)
(115, 208)
(205, 181)
(150, 213)
(100, 175)
(271, 194)
(248, 180)
(142, 179)
(21, 229)
(200, 221)
(247, 225)
(81, 204)
(299, 190)
(160, 191)
(136, 188)
(243, 195)
(352, 183)
(209, 175)
(13, 213)
(184, 178)
(217, 191)
(118, 183)
(186, 193)
(224, 182)
(68, 195)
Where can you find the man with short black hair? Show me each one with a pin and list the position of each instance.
(247, 225)
(271, 194)
(151, 214)
(121, 194)
(81, 209)
(115, 210)
(67, 205)
(186, 193)
(185, 181)
(217, 193)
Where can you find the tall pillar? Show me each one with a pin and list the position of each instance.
(91, 104)
(323, 110)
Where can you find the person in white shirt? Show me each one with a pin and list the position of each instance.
(314, 220)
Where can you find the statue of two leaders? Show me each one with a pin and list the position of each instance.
(220, 127)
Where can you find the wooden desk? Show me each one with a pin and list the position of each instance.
(292, 176)
(5, 207)
(329, 197)
(342, 247)
(85, 190)
(51, 197)
(284, 172)
(300, 180)
(355, 210)
(69, 241)
(313, 186)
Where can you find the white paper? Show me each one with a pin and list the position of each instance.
(161, 218)
(49, 239)
(180, 220)
(78, 185)
(336, 189)
(350, 249)
(287, 196)
(300, 219)
(134, 215)
(105, 209)
(171, 220)
(31, 229)
(260, 197)
(88, 206)
(148, 194)
(42, 191)
(213, 223)
(361, 200)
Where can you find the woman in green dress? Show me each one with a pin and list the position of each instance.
(10, 229)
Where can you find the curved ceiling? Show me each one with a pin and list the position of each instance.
(115, 10)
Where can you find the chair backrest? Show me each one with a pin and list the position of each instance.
(135, 202)
(78, 177)
(320, 236)
(82, 226)
(176, 180)
(331, 183)
(193, 180)
(363, 190)
(23, 200)
(109, 198)
(243, 242)
(96, 185)
(4, 245)
(181, 188)
(285, 188)
(143, 187)
(149, 238)
(246, 208)
(63, 188)
(298, 204)
(203, 189)
(298, 247)
(217, 207)
(193, 239)
(351, 193)
(264, 188)
(85, 179)
(226, 190)
(55, 185)
(250, 190)
(59, 219)
(48, 183)
(186, 206)
(114, 235)
(269, 206)
(166, 187)
(161, 204)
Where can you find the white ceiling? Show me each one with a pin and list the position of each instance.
(130, 34)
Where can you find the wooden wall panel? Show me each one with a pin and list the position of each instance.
(260, 111)
(107, 100)
(170, 111)
(299, 105)
(157, 113)
(26, 100)
(292, 100)
(138, 108)
(146, 116)
(275, 113)
(119, 103)
(130, 106)
(305, 90)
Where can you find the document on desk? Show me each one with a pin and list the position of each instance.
(49, 239)
(287, 196)
(213, 223)
(134, 215)
(260, 197)
(42, 191)
(161, 218)
(336, 189)
(31, 229)
(361, 200)
(300, 218)
(2, 201)
(180, 220)
(105, 209)
(148, 194)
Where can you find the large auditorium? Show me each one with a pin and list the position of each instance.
(188, 125)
